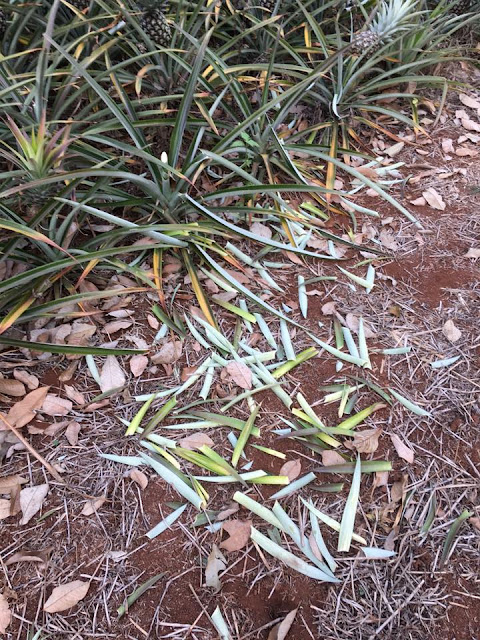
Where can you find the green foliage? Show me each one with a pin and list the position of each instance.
(185, 142)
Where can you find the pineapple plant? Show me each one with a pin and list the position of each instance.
(154, 23)
(390, 18)
(38, 156)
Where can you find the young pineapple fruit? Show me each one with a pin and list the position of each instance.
(3, 23)
(464, 6)
(390, 18)
(154, 23)
(269, 5)
(81, 5)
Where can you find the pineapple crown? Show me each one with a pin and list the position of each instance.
(391, 16)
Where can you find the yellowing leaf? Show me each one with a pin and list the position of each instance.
(66, 596)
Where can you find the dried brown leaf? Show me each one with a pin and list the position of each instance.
(22, 412)
(72, 432)
(31, 500)
(330, 458)
(434, 199)
(402, 450)
(280, 631)
(139, 477)
(25, 555)
(11, 483)
(169, 353)
(92, 506)
(468, 101)
(138, 364)
(5, 614)
(226, 513)
(195, 441)
(116, 325)
(53, 405)
(366, 441)
(5, 508)
(239, 531)
(74, 395)
(112, 375)
(292, 469)
(215, 564)
(11, 387)
(451, 332)
(66, 596)
(261, 230)
(27, 378)
(472, 253)
(240, 374)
